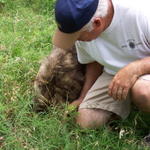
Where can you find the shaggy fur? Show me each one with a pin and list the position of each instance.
(60, 78)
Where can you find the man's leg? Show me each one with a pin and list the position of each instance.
(141, 95)
(98, 107)
(93, 118)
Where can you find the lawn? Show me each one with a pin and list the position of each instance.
(26, 29)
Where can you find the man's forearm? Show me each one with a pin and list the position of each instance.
(144, 66)
(125, 78)
(93, 71)
(139, 67)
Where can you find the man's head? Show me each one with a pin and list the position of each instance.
(79, 20)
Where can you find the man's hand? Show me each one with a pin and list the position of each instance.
(72, 107)
(123, 81)
(76, 103)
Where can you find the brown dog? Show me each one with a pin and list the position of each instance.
(60, 78)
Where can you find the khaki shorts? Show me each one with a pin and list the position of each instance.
(98, 98)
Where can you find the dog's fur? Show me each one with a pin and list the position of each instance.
(60, 78)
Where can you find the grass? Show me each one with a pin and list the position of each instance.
(26, 28)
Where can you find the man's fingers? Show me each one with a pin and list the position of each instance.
(120, 93)
(113, 89)
(125, 93)
(118, 90)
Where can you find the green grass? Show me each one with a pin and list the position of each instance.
(26, 28)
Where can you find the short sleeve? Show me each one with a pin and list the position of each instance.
(82, 54)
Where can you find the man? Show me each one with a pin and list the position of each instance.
(114, 35)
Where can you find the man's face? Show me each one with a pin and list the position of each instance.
(88, 36)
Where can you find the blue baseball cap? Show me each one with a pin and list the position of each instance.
(71, 16)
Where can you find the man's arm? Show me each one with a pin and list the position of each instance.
(93, 71)
(127, 76)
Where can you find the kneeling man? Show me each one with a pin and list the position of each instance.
(113, 36)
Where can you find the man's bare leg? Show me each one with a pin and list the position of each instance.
(93, 118)
(141, 95)
(141, 98)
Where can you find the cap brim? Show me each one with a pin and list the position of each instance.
(65, 40)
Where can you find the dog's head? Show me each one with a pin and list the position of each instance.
(60, 77)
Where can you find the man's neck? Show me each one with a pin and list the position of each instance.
(110, 14)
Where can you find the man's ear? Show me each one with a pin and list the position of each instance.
(97, 23)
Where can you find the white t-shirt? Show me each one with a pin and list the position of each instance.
(125, 40)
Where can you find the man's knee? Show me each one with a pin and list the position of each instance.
(141, 95)
(93, 118)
